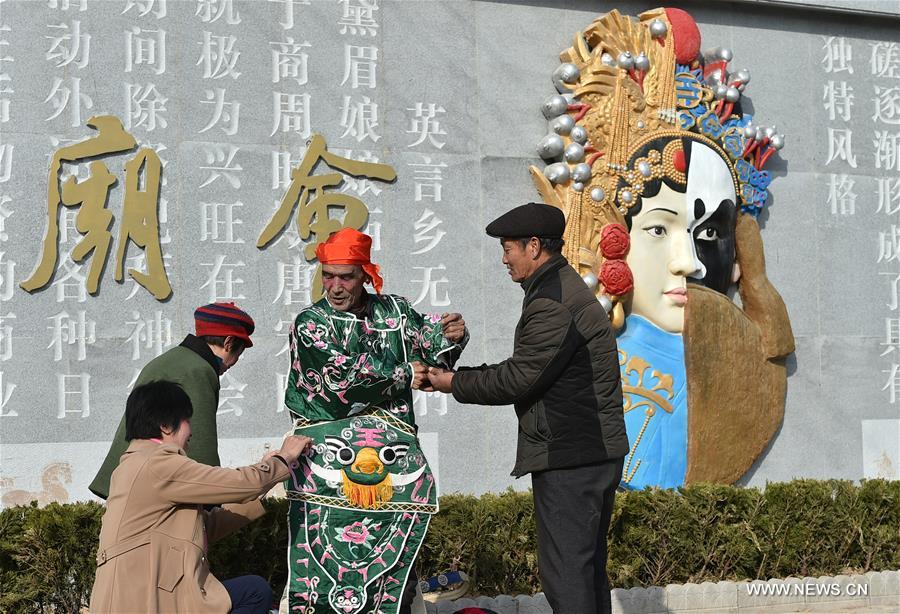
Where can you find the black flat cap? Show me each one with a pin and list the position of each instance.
(531, 220)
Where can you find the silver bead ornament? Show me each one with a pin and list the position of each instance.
(777, 141)
(597, 194)
(644, 168)
(574, 153)
(551, 147)
(605, 302)
(554, 106)
(658, 28)
(607, 60)
(726, 54)
(578, 186)
(732, 94)
(565, 74)
(558, 172)
(760, 135)
(714, 78)
(743, 75)
(770, 132)
(642, 62)
(579, 135)
(590, 280)
(750, 131)
(562, 124)
(626, 196)
(625, 60)
(581, 173)
(720, 91)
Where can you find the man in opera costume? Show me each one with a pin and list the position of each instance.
(362, 498)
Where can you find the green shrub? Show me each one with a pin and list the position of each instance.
(700, 533)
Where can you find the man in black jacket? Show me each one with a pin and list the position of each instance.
(563, 379)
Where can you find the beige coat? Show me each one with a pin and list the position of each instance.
(152, 554)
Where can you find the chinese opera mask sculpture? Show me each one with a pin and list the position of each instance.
(660, 175)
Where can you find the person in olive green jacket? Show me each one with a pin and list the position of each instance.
(222, 332)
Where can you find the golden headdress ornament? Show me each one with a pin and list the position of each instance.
(623, 84)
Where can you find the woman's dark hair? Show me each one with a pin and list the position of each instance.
(652, 186)
(155, 405)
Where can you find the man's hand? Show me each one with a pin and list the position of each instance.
(440, 379)
(453, 326)
(420, 375)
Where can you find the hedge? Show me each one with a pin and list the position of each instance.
(695, 534)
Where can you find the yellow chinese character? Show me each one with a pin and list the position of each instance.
(139, 213)
(316, 205)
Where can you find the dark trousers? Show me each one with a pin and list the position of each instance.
(409, 593)
(249, 595)
(572, 508)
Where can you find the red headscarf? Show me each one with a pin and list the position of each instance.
(350, 246)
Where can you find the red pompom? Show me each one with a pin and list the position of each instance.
(614, 241)
(686, 35)
(616, 277)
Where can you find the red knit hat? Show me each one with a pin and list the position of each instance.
(224, 320)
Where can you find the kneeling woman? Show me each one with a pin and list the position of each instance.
(160, 517)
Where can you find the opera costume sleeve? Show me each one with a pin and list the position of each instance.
(429, 345)
(326, 380)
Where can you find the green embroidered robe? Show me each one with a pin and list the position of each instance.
(362, 498)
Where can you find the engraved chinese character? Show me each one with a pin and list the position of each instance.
(841, 197)
(67, 44)
(288, 23)
(219, 221)
(80, 332)
(424, 123)
(840, 147)
(6, 391)
(145, 48)
(5, 214)
(145, 7)
(886, 150)
(72, 389)
(359, 66)
(428, 179)
(220, 163)
(226, 114)
(435, 401)
(222, 282)
(65, 5)
(359, 17)
(6, 336)
(427, 232)
(290, 61)
(838, 99)
(145, 107)
(838, 55)
(885, 60)
(887, 105)
(888, 195)
(154, 334)
(211, 11)
(231, 391)
(62, 97)
(891, 335)
(139, 222)
(7, 276)
(291, 113)
(359, 118)
(295, 281)
(218, 56)
(430, 286)
(889, 244)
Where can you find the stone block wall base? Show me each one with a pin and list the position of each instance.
(871, 592)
